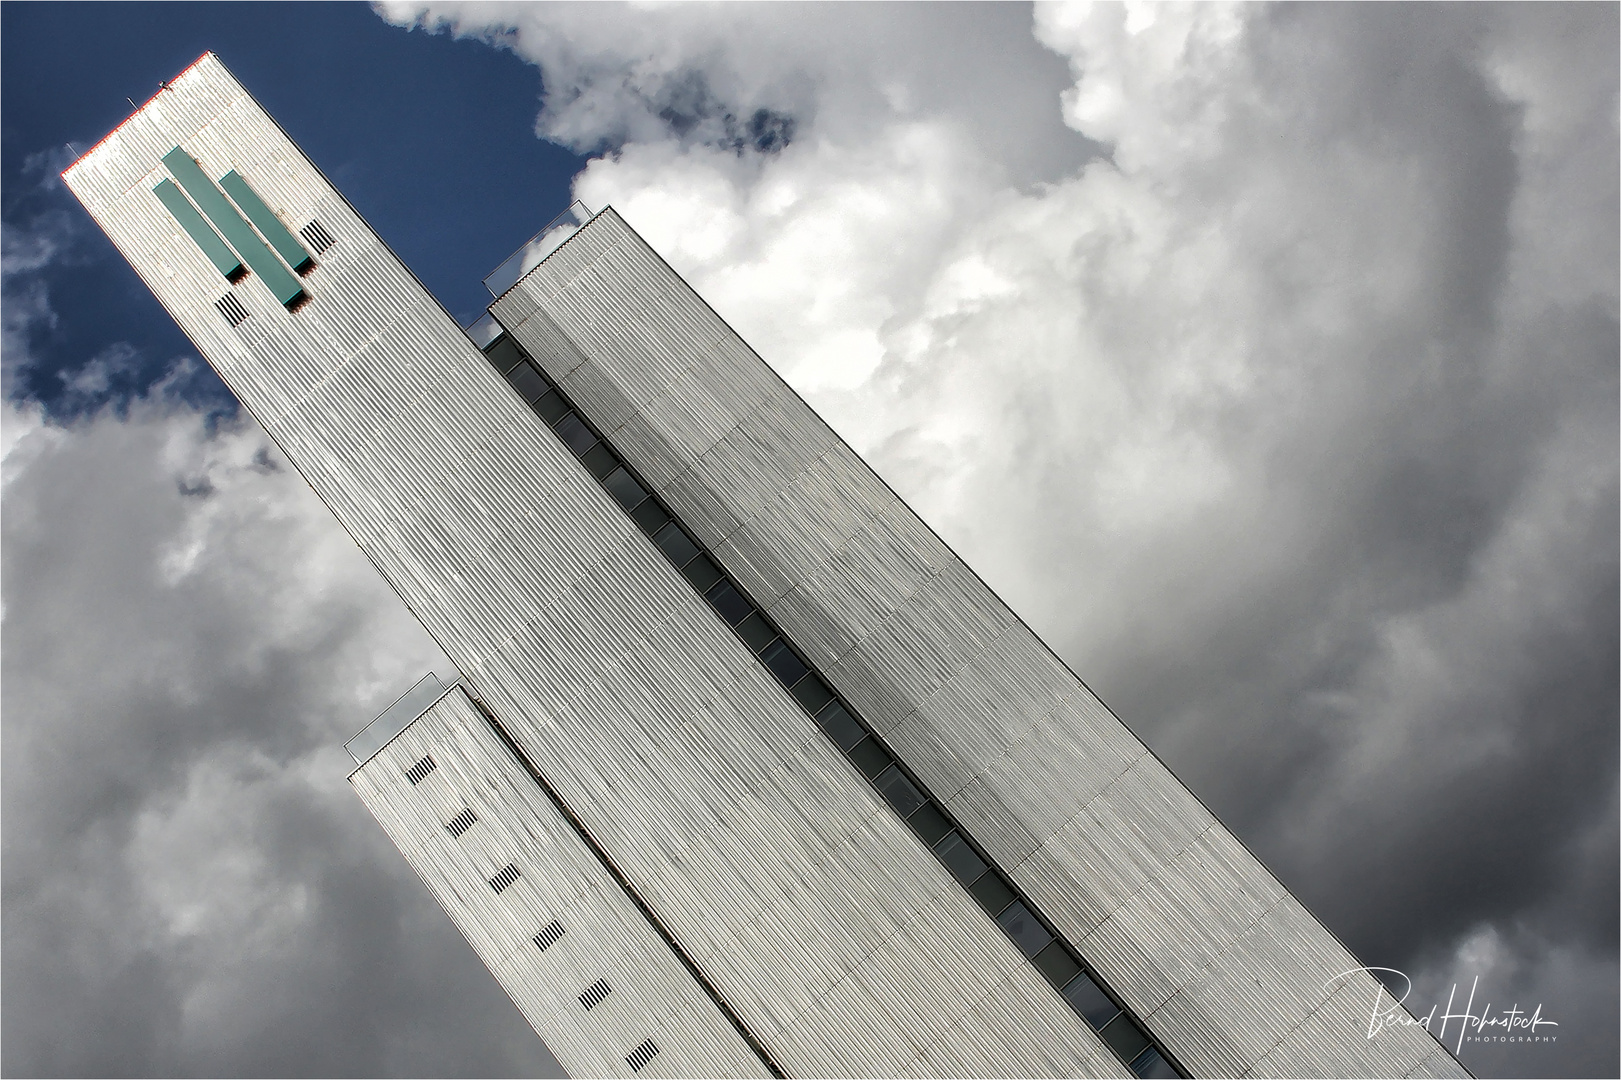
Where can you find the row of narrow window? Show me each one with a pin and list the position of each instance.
(505, 878)
(933, 825)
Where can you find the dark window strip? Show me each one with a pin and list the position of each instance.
(1059, 963)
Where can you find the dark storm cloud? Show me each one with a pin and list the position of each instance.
(1440, 658)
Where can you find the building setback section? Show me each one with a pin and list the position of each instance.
(1130, 868)
(560, 931)
(808, 906)
(924, 815)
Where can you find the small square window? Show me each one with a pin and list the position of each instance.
(1024, 928)
(784, 663)
(641, 1055)
(1086, 998)
(599, 461)
(961, 859)
(1125, 1037)
(575, 435)
(702, 572)
(929, 824)
(624, 488)
(755, 632)
(870, 758)
(550, 407)
(898, 791)
(231, 306)
(841, 727)
(527, 381)
(1056, 962)
(729, 602)
(812, 693)
(593, 994)
(676, 544)
(548, 935)
(650, 516)
(993, 893)
(316, 236)
(504, 878)
(461, 822)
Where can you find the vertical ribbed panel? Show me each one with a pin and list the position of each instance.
(814, 912)
(604, 938)
(1105, 842)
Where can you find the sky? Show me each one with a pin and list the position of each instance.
(1263, 358)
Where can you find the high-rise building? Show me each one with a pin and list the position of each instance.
(744, 772)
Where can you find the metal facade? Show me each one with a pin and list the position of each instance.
(1201, 941)
(766, 862)
(594, 934)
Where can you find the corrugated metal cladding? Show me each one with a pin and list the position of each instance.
(602, 939)
(1200, 940)
(810, 908)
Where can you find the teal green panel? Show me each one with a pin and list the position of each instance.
(242, 239)
(196, 228)
(268, 224)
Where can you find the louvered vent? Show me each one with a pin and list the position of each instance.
(232, 309)
(506, 877)
(316, 236)
(421, 769)
(461, 822)
(641, 1056)
(594, 994)
(548, 935)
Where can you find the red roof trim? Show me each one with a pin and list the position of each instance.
(136, 113)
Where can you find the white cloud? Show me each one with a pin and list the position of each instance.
(190, 885)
